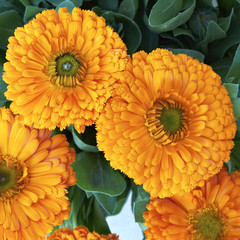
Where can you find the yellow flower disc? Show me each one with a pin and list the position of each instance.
(35, 172)
(211, 212)
(169, 125)
(61, 68)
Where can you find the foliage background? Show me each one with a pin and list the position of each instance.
(204, 29)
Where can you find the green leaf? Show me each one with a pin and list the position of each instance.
(95, 174)
(130, 32)
(128, 8)
(234, 71)
(183, 31)
(234, 163)
(56, 2)
(232, 89)
(140, 199)
(77, 3)
(233, 93)
(9, 20)
(68, 4)
(166, 15)
(221, 67)
(213, 32)
(31, 12)
(224, 22)
(108, 4)
(3, 88)
(81, 144)
(218, 49)
(107, 202)
(99, 219)
(193, 53)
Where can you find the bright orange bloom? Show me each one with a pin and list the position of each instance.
(79, 233)
(169, 125)
(34, 174)
(61, 68)
(208, 213)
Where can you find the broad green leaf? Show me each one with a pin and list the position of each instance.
(10, 19)
(25, 2)
(3, 88)
(234, 71)
(128, 8)
(193, 53)
(167, 15)
(233, 93)
(99, 219)
(140, 199)
(234, 163)
(56, 2)
(150, 39)
(183, 31)
(79, 141)
(108, 4)
(221, 67)
(68, 4)
(218, 49)
(224, 22)
(232, 89)
(107, 202)
(31, 12)
(95, 174)
(214, 32)
(77, 3)
(130, 32)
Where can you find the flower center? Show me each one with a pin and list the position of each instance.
(67, 69)
(166, 121)
(208, 225)
(12, 176)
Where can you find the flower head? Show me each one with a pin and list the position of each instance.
(208, 213)
(34, 174)
(61, 68)
(79, 233)
(169, 125)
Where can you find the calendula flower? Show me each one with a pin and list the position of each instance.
(34, 174)
(61, 68)
(169, 125)
(79, 233)
(211, 212)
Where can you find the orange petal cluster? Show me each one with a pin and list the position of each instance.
(40, 166)
(79, 233)
(39, 92)
(171, 218)
(135, 140)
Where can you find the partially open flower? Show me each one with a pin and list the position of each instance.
(169, 125)
(35, 172)
(208, 213)
(61, 68)
(79, 233)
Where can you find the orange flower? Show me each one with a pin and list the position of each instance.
(208, 213)
(79, 233)
(34, 174)
(61, 68)
(169, 125)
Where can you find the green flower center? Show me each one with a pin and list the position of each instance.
(67, 65)
(208, 225)
(171, 119)
(7, 178)
(67, 69)
(166, 121)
